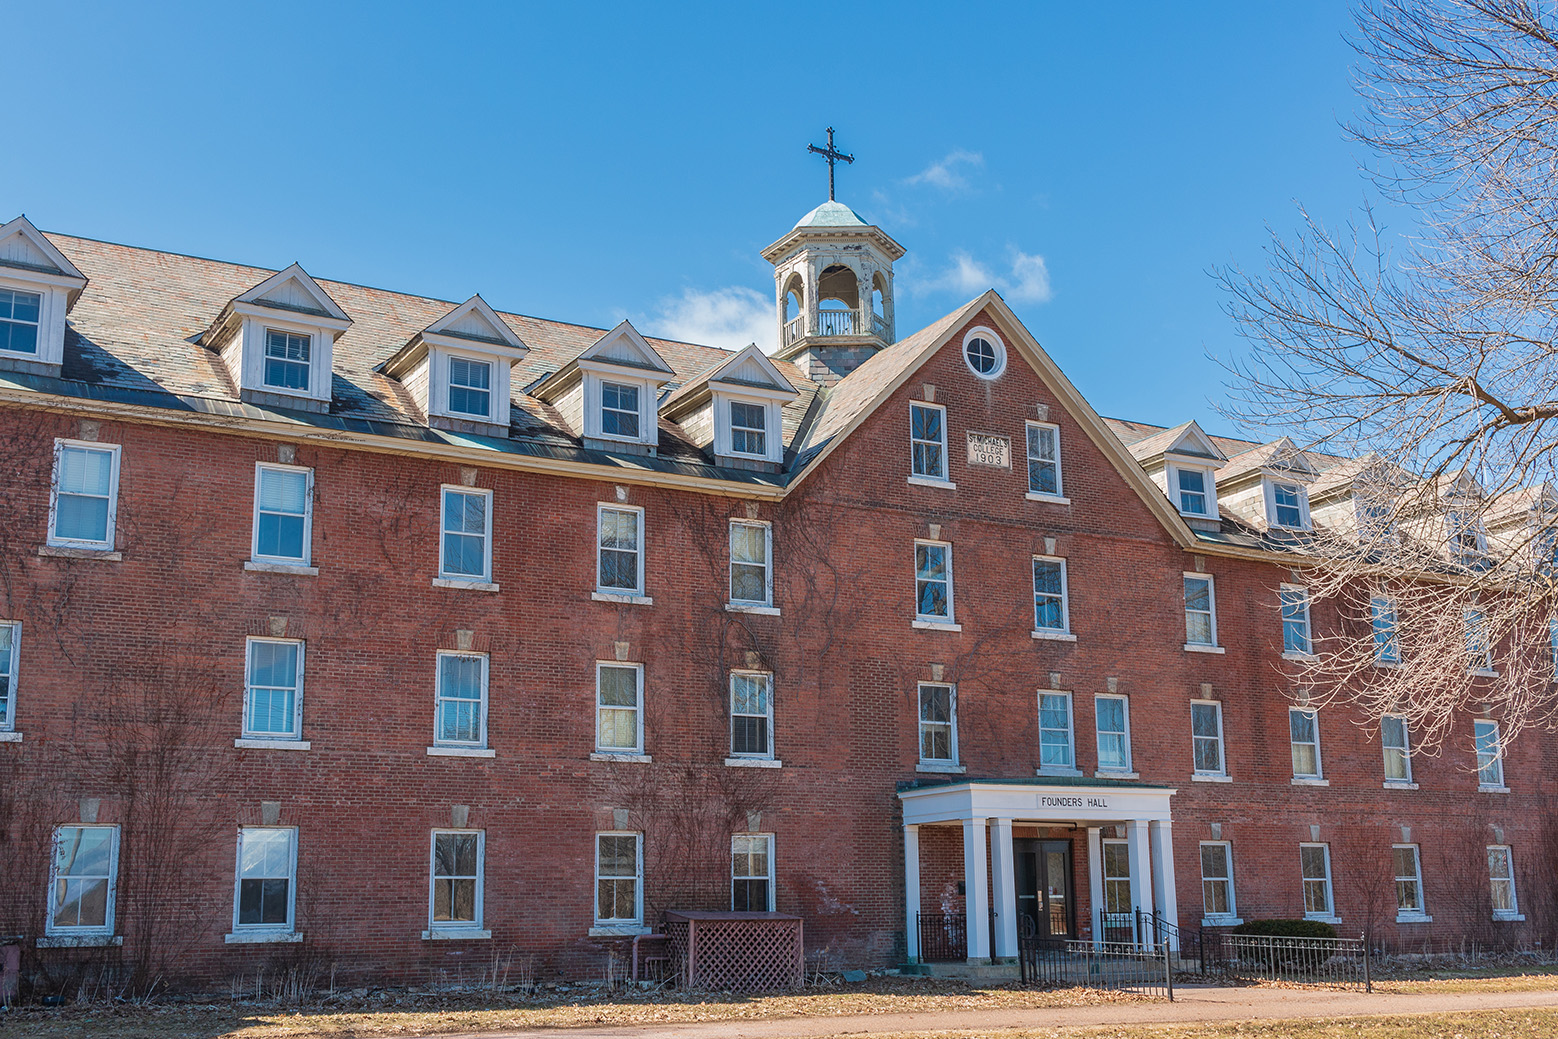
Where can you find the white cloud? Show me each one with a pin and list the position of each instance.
(1026, 282)
(944, 172)
(731, 317)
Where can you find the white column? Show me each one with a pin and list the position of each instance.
(1095, 882)
(911, 892)
(1003, 878)
(1162, 840)
(1141, 860)
(976, 891)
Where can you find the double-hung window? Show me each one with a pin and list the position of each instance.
(1304, 736)
(1117, 879)
(273, 703)
(1315, 865)
(86, 492)
(1057, 752)
(287, 358)
(748, 429)
(1190, 486)
(1044, 459)
(751, 569)
(10, 646)
(1217, 901)
(1479, 647)
(1295, 621)
(938, 724)
(1113, 721)
(619, 880)
(751, 714)
(928, 440)
(470, 387)
(1287, 506)
(82, 880)
(282, 514)
(455, 881)
(619, 412)
(460, 711)
(619, 550)
(1490, 754)
(1552, 643)
(265, 889)
(1409, 882)
(1501, 882)
(1398, 750)
(1387, 643)
(619, 713)
(1206, 737)
(752, 872)
(933, 582)
(19, 317)
(1468, 542)
(1051, 615)
(465, 551)
(1200, 611)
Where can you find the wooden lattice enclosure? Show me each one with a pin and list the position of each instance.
(740, 952)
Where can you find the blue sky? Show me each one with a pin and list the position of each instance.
(589, 163)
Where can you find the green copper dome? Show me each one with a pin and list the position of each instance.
(831, 214)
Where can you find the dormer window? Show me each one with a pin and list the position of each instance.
(748, 429)
(1194, 491)
(737, 409)
(619, 410)
(1287, 505)
(470, 387)
(287, 359)
(38, 286)
(1467, 538)
(458, 369)
(19, 314)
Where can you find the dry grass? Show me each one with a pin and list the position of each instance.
(1490, 980)
(1485, 1024)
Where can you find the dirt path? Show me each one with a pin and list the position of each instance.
(1193, 1005)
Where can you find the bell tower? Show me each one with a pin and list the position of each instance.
(833, 284)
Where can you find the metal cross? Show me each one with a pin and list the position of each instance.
(832, 155)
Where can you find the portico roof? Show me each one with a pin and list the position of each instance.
(1057, 799)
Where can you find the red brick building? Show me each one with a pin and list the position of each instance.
(353, 627)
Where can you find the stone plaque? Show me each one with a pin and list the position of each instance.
(988, 449)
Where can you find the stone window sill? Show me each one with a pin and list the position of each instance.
(1105, 773)
(618, 930)
(461, 752)
(754, 762)
(936, 626)
(1053, 636)
(631, 599)
(468, 585)
(10, 737)
(263, 744)
(1324, 918)
(1221, 921)
(1310, 781)
(1399, 784)
(455, 934)
(1207, 777)
(81, 941)
(1484, 788)
(1413, 918)
(262, 937)
(1053, 499)
(1510, 918)
(1306, 657)
(62, 552)
(1197, 647)
(940, 766)
(1480, 673)
(298, 569)
(628, 756)
(1067, 772)
(931, 481)
(742, 607)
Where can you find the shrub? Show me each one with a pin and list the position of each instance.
(1287, 928)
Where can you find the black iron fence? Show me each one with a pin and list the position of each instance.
(1339, 962)
(943, 937)
(1151, 930)
(1060, 963)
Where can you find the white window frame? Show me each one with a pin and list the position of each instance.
(996, 344)
(1330, 892)
(620, 384)
(600, 513)
(260, 468)
(1114, 883)
(106, 928)
(10, 676)
(1270, 491)
(485, 577)
(945, 475)
(1211, 612)
(1455, 522)
(1059, 493)
(491, 364)
(107, 544)
(1070, 768)
(251, 733)
(929, 618)
(1419, 914)
(40, 326)
(1222, 749)
(638, 708)
(771, 878)
(1293, 744)
(1288, 597)
(730, 706)
(438, 699)
(1405, 750)
(1513, 912)
(730, 418)
(635, 922)
(1495, 762)
(1176, 493)
(1065, 600)
(1209, 918)
(952, 725)
(308, 365)
(1552, 644)
(456, 928)
(768, 564)
(1387, 651)
(1098, 733)
(290, 926)
(1479, 647)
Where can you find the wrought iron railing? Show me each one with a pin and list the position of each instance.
(1061, 963)
(943, 937)
(838, 323)
(1340, 962)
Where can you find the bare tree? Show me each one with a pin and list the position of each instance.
(1427, 364)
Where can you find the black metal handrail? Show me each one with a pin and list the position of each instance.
(1056, 962)
(943, 937)
(1342, 962)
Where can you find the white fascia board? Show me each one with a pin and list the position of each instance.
(296, 271)
(466, 344)
(1038, 802)
(22, 226)
(628, 372)
(742, 389)
(286, 315)
(46, 278)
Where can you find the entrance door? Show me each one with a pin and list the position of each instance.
(1045, 908)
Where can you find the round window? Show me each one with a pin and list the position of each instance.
(984, 354)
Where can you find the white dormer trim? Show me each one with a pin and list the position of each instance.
(30, 263)
(1269, 482)
(1195, 444)
(1173, 465)
(289, 301)
(623, 357)
(472, 332)
(764, 386)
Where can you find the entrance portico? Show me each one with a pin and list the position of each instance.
(987, 811)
